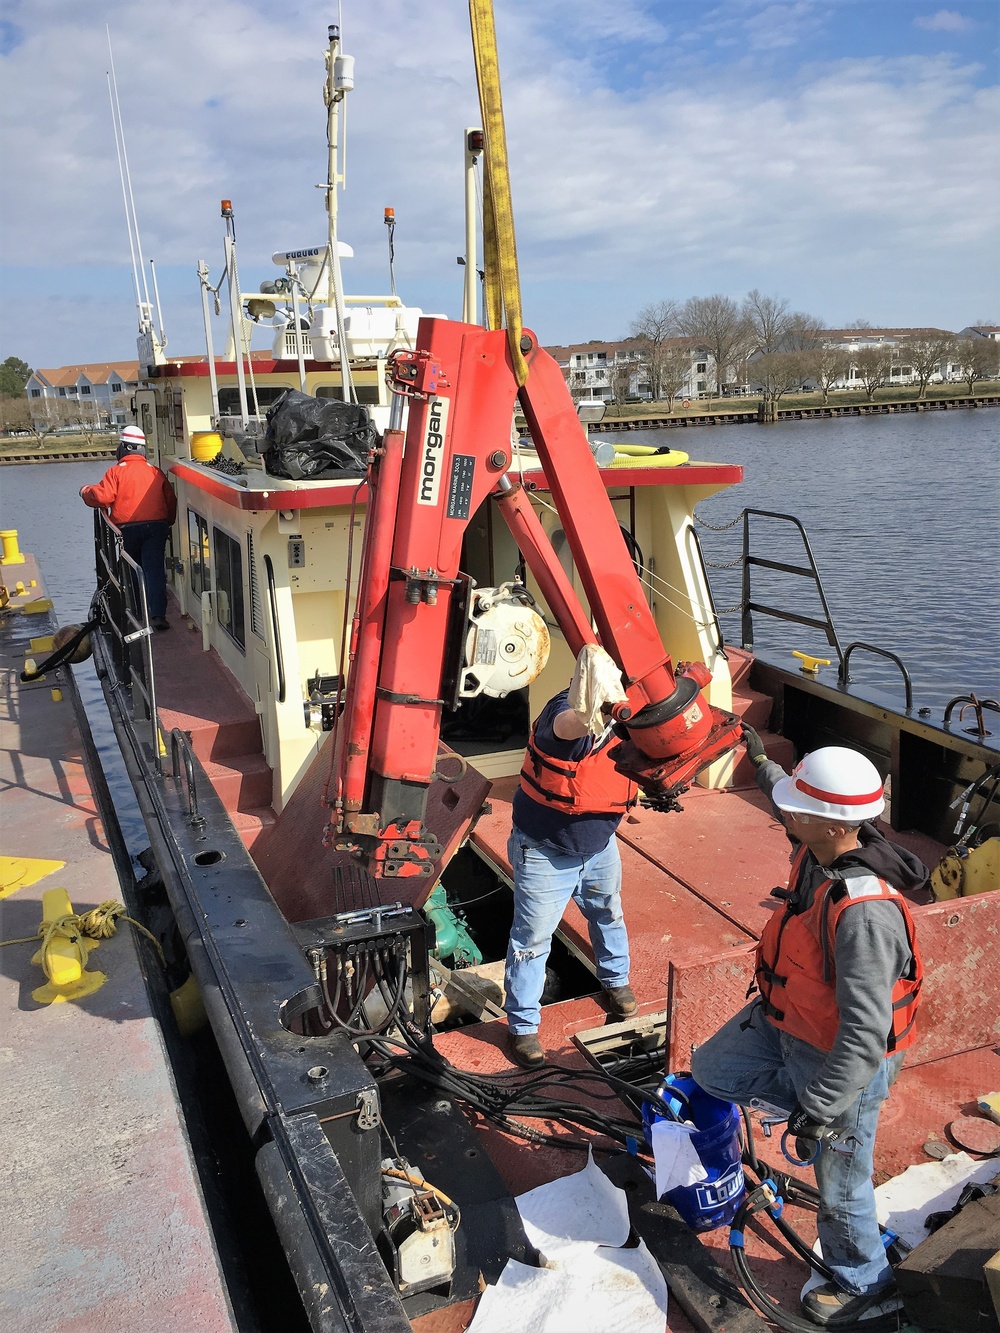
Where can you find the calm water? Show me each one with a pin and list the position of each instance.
(903, 514)
(41, 500)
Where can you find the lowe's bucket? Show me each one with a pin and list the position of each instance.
(712, 1202)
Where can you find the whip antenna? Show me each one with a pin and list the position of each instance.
(143, 303)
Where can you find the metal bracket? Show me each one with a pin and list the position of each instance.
(369, 1111)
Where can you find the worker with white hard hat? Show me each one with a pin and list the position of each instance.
(839, 973)
(139, 499)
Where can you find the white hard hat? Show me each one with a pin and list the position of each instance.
(835, 782)
(132, 437)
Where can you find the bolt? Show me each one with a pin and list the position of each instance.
(525, 344)
(498, 458)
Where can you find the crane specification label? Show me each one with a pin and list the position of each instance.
(463, 469)
(433, 451)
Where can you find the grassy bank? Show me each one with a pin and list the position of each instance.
(837, 398)
(25, 446)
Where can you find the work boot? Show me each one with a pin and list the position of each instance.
(160, 622)
(525, 1049)
(829, 1303)
(621, 1002)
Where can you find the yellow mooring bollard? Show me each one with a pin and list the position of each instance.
(11, 551)
(64, 951)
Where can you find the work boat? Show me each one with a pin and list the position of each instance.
(325, 746)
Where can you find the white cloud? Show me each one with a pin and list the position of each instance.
(845, 177)
(945, 20)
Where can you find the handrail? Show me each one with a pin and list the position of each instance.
(279, 660)
(121, 600)
(179, 744)
(845, 678)
(749, 606)
(719, 637)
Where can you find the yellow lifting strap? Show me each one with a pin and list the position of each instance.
(502, 296)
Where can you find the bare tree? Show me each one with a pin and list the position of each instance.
(926, 356)
(768, 321)
(978, 358)
(673, 367)
(826, 365)
(16, 418)
(621, 373)
(873, 365)
(718, 322)
(777, 373)
(653, 325)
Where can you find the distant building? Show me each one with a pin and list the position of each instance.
(895, 340)
(981, 331)
(97, 393)
(603, 371)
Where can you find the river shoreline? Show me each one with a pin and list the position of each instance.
(736, 412)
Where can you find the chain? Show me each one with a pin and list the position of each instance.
(728, 564)
(720, 527)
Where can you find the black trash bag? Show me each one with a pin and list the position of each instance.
(313, 438)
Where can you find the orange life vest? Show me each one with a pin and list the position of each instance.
(795, 963)
(588, 786)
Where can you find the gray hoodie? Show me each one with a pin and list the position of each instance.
(871, 953)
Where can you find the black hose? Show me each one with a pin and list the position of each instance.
(60, 656)
(769, 1307)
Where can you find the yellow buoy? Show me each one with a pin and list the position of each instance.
(205, 444)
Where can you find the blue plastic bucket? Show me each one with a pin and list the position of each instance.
(712, 1202)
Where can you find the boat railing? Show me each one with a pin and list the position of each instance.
(844, 675)
(720, 640)
(124, 620)
(808, 571)
(182, 758)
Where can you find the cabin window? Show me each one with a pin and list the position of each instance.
(199, 558)
(229, 399)
(367, 394)
(229, 587)
(256, 610)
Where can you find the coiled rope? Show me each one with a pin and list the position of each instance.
(100, 923)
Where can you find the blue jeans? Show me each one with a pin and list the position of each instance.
(544, 882)
(146, 544)
(766, 1063)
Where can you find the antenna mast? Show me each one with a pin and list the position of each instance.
(150, 347)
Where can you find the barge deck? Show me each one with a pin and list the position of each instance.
(102, 1213)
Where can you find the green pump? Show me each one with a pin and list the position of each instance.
(453, 940)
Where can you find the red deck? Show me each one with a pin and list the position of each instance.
(696, 890)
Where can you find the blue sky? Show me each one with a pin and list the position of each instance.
(841, 153)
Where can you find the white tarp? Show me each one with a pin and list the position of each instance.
(578, 1224)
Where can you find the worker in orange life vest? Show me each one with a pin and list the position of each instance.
(839, 972)
(141, 502)
(569, 803)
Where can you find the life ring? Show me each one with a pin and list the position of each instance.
(686, 402)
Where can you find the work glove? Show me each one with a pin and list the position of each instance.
(805, 1131)
(755, 747)
(596, 685)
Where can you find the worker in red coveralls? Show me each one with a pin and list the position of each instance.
(140, 501)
